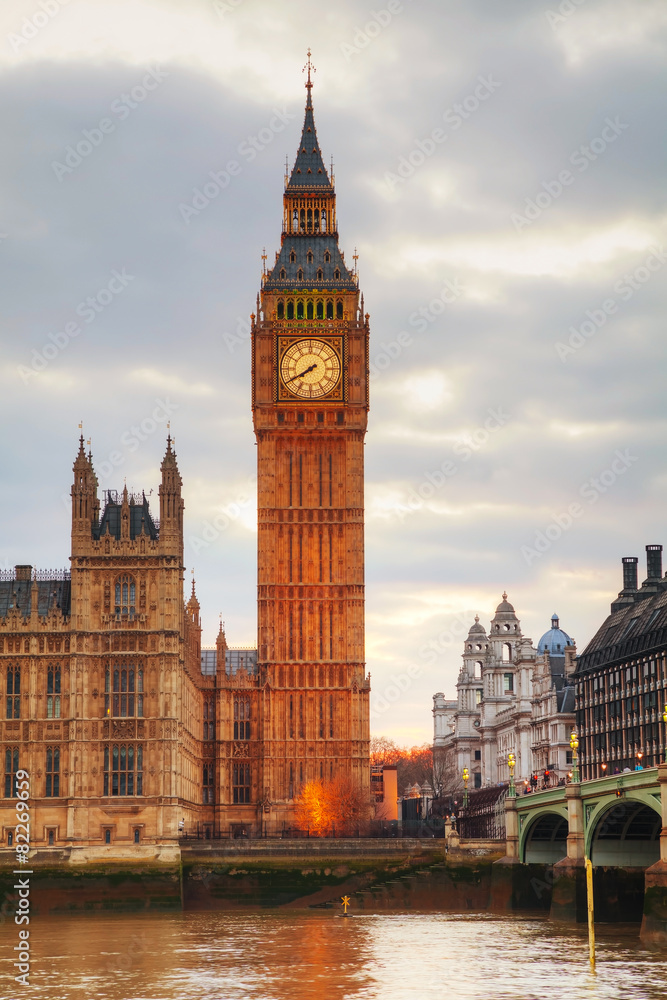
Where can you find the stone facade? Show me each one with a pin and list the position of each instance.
(511, 698)
(130, 732)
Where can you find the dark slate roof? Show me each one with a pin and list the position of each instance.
(319, 244)
(140, 520)
(565, 699)
(51, 593)
(309, 169)
(640, 627)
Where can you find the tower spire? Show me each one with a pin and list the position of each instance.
(309, 83)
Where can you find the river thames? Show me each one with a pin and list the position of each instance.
(276, 955)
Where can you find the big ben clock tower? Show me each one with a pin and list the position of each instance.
(310, 407)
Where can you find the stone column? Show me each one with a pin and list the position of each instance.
(568, 901)
(654, 922)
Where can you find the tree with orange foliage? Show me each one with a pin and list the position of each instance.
(414, 764)
(329, 808)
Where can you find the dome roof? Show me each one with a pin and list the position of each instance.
(505, 607)
(555, 640)
(476, 628)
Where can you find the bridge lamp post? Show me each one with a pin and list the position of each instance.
(574, 746)
(466, 776)
(511, 763)
(603, 768)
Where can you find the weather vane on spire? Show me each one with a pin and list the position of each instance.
(309, 66)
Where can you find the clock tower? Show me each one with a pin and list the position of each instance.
(310, 408)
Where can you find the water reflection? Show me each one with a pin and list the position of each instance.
(320, 955)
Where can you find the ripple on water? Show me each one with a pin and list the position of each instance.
(279, 955)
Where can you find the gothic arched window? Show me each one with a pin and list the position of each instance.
(320, 309)
(339, 309)
(309, 309)
(290, 310)
(125, 594)
(329, 308)
(13, 692)
(299, 309)
(281, 310)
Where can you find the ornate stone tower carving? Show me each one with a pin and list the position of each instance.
(310, 406)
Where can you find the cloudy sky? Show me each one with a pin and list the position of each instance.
(500, 168)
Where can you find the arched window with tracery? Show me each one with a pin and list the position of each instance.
(53, 692)
(123, 769)
(125, 594)
(124, 691)
(13, 692)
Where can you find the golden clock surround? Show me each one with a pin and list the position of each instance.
(336, 344)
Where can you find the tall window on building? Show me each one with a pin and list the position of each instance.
(52, 772)
(53, 692)
(123, 769)
(14, 692)
(125, 595)
(123, 691)
(11, 767)
(508, 683)
(241, 719)
(241, 783)
(207, 797)
(209, 719)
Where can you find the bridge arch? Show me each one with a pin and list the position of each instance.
(544, 839)
(624, 832)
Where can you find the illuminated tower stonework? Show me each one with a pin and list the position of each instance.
(310, 409)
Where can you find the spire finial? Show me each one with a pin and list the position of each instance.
(309, 66)
(504, 595)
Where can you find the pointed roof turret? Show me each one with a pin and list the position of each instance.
(309, 169)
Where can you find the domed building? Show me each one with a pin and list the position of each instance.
(512, 697)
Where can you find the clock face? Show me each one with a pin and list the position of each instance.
(310, 368)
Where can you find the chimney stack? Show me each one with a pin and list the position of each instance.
(630, 572)
(654, 562)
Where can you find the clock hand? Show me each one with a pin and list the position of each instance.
(304, 372)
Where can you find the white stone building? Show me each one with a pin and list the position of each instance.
(511, 697)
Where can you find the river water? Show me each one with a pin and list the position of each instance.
(297, 955)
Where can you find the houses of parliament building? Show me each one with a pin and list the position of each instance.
(130, 731)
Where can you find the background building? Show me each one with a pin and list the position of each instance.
(511, 697)
(622, 676)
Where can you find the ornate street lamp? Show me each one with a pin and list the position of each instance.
(511, 763)
(466, 776)
(603, 768)
(574, 746)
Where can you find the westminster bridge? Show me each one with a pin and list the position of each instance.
(618, 821)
